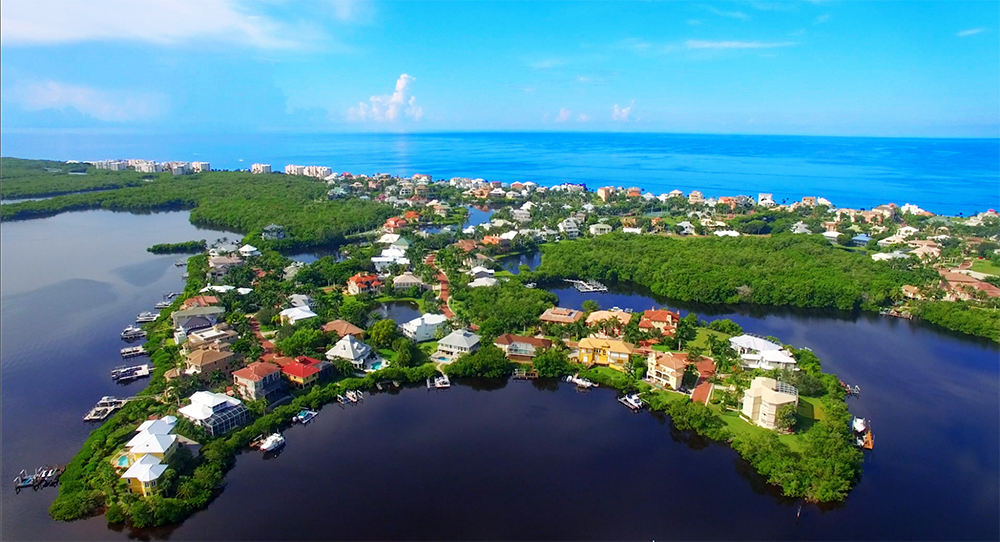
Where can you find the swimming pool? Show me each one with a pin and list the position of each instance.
(377, 365)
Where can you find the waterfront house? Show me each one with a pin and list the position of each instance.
(458, 342)
(831, 236)
(560, 315)
(751, 344)
(342, 328)
(666, 369)
(248, 251)
(364, 283)
(599, 229)
(143, 475)
(608, 352)
(197, 318)
(257, 380)
(861, 240)
(696, 197)
(663, 320)
(466, 245)
(205, 361)
(479, 272)
(217, 413)
(218, 266)
(620, 317)
(521, 349)
(272, 232)
(763, 399)
(768, 360)
(484, 282)
(294, 315)
(199, 301)
(358, 353)
(300, 374)
(521, 215)
(424, 327)
(158, 445)
(406, 281)
(218, 334)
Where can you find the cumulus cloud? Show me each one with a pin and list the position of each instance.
(387, 108)
(564, 115)
(622, 114)
(970, 32)
(113, 106)
(699, 44)
(164, 22)
(583, 118)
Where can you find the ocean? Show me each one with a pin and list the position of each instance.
(944, 176)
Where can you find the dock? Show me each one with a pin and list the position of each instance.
(586, 286)
(133, 351)
(146, 317)
(162, 305)
(42, 477)
(105, 407)
(525, 374)
(124, 374)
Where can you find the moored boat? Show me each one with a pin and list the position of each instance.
(133, 332)
(304, 416)
(632, 401)
(272, 442)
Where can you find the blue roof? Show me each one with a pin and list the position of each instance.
(862, 237)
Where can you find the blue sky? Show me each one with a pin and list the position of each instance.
(919, 69)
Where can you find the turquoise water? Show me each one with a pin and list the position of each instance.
(946, 176)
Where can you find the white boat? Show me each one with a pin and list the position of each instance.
(442, 382)
(632, 401)
(145, 317)
(860, 425)
(133, 332)
(162, 305)
(304, 416)
(351, 396)
(272, 442)
(580, 382)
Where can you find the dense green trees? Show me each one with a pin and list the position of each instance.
(961, 316)
(236, 201)
(39, 178)
(189, 247)
(487, 362)
(787, 270)
(553, 362)
(382, 333)
(506, 308)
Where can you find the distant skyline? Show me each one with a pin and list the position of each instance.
(896, 69)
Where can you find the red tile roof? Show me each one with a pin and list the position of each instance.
(256, 371)
(365, 279)
(537, 342)
(306, 360)
(341, 328)
(299, 370)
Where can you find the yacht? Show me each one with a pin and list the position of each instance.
(272, 442)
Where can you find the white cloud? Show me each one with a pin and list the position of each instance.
(583, 118)
(699, 44)
(114, 106)
(622, 114)
(348, 10)
(970, 32)
(822, 19)
(564, 115)
(387, 108)
(730, 14)
(165, 22)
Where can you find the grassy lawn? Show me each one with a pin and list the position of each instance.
(429, 347)
(701, 341)
(611, 377)
(387, 354)
(737, 426)
(985, 266)
(503, 273)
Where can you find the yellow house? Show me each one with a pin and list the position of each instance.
(665, 369)
(609, 352)
(158, 446)
(143, 474)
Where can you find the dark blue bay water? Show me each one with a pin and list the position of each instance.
(945, 176)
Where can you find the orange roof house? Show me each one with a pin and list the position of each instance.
(394, 224)
(664, 320)
(364, 283)
(559, 315)
(411, 215)
(199, 301)
(300, 374)
(342, 328)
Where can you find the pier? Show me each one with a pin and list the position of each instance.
(525, 374)
(586, 286)
(146, 317)
(133, 351)
(126, 374)
(42, 477)
(105, 407)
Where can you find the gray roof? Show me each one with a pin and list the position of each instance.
(198, 311)
(460, 338)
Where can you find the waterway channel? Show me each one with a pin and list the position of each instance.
(521, 461)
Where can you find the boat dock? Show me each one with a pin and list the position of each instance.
(524, 374)
(126, 374)
(171, 295)
(132, 333)
(586, 286)
(42, 477)
(105, 407)
(162, 305)
(146, 317)
(133, 351)
(180, 263)
(439, 383)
